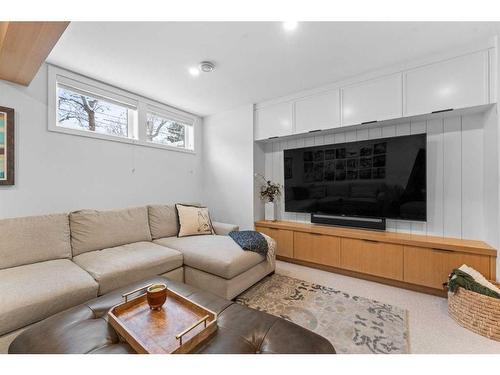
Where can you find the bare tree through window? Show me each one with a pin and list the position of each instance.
(79, 111)
(165, 131)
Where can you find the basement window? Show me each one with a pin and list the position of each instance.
(85, 107)
(83, 111)
(167, 130)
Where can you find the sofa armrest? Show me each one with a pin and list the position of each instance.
(223, 229)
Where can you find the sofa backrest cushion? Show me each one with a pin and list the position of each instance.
(96, 230)
(163, 221)
(31, 239)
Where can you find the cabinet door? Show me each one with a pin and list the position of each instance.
(373, 258)
(317, 112)
(456, 83)
(374, 100)
(317, 248)
(283, 238)
(430, 267)
(273, 121)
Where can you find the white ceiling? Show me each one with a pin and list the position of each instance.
(255, 60)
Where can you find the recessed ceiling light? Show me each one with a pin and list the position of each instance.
(290, 25)
(194, 71)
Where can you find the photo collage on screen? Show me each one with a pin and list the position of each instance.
(345, 163)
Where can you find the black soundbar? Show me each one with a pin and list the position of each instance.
(350, 221)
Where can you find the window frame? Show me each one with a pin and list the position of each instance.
(137, 122)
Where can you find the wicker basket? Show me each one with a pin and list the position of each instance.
(476, 312)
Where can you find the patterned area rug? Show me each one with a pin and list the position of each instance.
(352, 324)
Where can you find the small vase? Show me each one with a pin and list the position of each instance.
(156, 296)
(270, 211)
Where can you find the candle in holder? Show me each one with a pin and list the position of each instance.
(156, 296)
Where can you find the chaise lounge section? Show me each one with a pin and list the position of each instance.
(215, 263)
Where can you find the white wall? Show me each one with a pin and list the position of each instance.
(228, 183)
(58, 172)
(455, 172)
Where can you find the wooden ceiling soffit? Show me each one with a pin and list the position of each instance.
(24, 46)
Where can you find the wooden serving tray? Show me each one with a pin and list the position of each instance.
(179, 327)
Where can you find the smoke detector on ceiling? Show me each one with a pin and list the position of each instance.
(207, 66)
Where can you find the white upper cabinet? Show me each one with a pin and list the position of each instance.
(375, 100)
(317, 112)
(457, 83)
(273, 121)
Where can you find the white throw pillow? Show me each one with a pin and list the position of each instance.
(193, 220)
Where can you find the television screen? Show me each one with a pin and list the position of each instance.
(377, 178)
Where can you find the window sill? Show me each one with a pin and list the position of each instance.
(106, 137)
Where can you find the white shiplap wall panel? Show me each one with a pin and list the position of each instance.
(268, 149)
(435, 180)
(389, 131)
(374, 133)
(351, 136)
(472, 177)
(452, 176)
(403, 129)
(418, 227)
(418, 127)
(319, 140)
(454, 172)
(403, 226)
(329, 139)
(362, 134)
(309, 141)
(391, 225)
(340, 137)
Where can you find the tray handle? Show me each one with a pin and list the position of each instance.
(202, 320)
(126, 295)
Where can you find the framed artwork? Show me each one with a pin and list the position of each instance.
(6, 146)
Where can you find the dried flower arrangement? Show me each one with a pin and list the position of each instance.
(269, 191)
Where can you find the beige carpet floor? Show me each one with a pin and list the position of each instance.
(353, 324)
(432, 331)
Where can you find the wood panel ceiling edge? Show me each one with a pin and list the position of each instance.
(24, 46)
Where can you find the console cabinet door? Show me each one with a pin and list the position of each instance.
(375, 100)
(283, 238)
(372, 257)
(317, 112)
(457, 83)
(273, 121)
(317, 248)
(431, 267)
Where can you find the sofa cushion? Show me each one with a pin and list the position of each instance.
(35, 291)
(163, 221)
(118, 266)
(218, 255)
(95, 230)
(33, 239)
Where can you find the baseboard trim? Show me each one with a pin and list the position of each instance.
(358, 275)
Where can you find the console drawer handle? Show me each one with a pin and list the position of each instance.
(371, 241)
(442, 250)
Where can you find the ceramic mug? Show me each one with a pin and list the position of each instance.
(156, 295)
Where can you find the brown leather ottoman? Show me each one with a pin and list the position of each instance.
(84, 329)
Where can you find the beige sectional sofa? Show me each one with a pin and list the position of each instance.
(52, 262)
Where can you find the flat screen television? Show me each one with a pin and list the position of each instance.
(382, 178)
